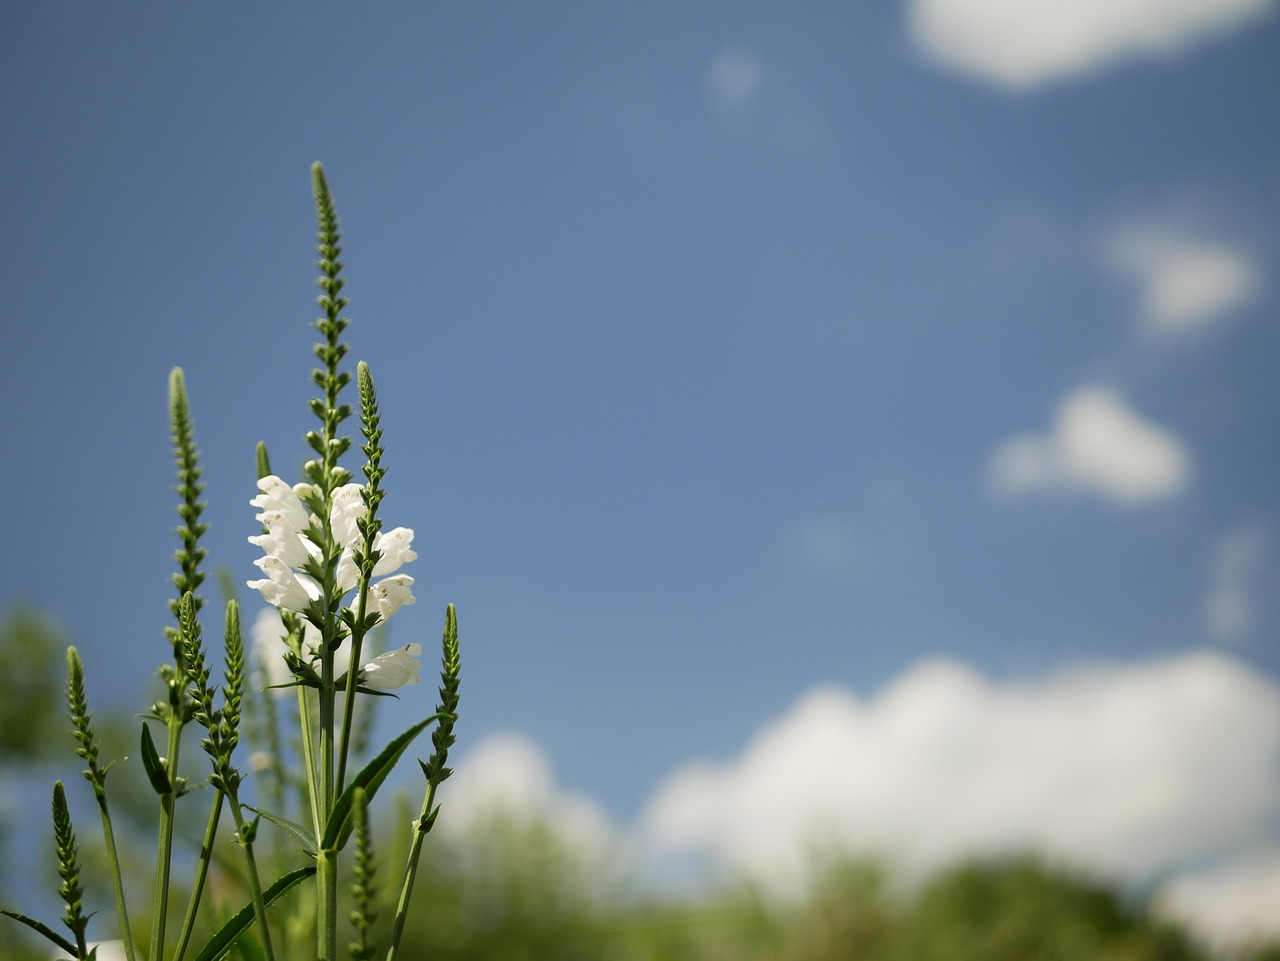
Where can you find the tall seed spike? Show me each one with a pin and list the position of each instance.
(233, 688)
(186, 456)
(363, 890)
(69, 890)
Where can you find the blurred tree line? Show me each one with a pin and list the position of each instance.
(511, 890)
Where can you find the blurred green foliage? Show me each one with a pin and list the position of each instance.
(510, 889)
(516, 894)
(31, 651)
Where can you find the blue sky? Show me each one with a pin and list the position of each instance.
(725, 350)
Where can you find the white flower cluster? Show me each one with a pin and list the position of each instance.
(288, 545)
(386, 672)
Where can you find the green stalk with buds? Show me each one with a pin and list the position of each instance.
(331, 576)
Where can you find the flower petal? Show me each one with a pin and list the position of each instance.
(389, 595)
(283, 541)
(284, 588)
(396, 550)
(348, 507)
(394, 669)
(278, 496)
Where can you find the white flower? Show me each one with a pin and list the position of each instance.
(283, 587)
(395, 550)
(284, 541)
(348, 507)
(278, 496)
(389, 595)
(393, 669)
(288, 547)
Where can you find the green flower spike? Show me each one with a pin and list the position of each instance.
(187, 459)
(442, 737)
(82, 723)
(222, 726)
(87, 741)
(360, 621)
(370, 418)
(69, 889)
(233, 683)
(435, 770)
(325, 472)
(363, 890)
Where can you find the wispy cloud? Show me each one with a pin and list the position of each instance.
(749, 99)
(734, 78)
(1130, 769)
(1095, 444)
(1184, 282)
(825, 543)
(1022, 44)
(1229, 603)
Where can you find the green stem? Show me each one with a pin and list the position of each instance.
(82, 946)
(117, 883)
(255, 883)
(202, 872)
(309, 759)
(327, 861)
(420, 829)
(353, 674)
(164, 853)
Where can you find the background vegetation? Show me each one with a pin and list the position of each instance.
(510, 890)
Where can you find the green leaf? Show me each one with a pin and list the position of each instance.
(304, 837)
(375, 772)
(248, 949)
(44, 929)
(221, 942)
(151, 761)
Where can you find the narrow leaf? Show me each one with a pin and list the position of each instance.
(375, 772)
(304, 837)
(151, 761)
(221, 941)
(44, 929)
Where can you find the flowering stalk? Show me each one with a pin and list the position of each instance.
(363, 891)
(326, 475)
(369, 527)
(82, 727)
(188, 579)
(222, 727)
(435, 769)
(321, 541)
(69, 870)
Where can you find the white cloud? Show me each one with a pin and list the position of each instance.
(1124, 769)
(509, 776)
(1228, 903)
(1184, 282)
(734, 77)
(1023, 44)
(1233, 567)
(1097, 444)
